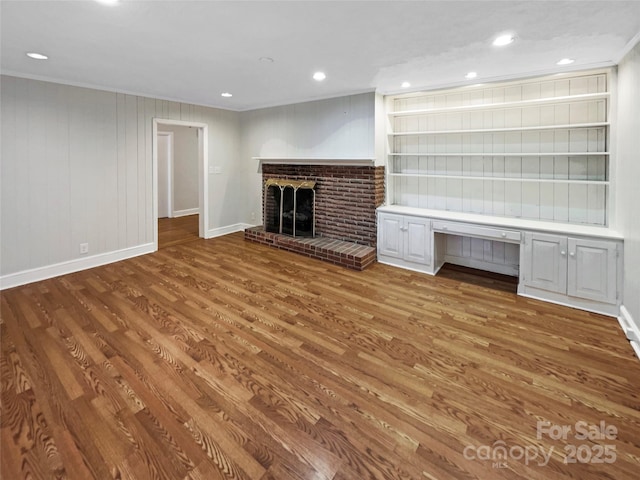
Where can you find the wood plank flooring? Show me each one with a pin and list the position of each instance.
(224, 359)
(176, 231)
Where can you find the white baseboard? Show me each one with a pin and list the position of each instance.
(71, 266)
(218, 232)
(630, 328)
(42, 273)
(184, 213)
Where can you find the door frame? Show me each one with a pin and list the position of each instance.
(203, 177)
(169, 172)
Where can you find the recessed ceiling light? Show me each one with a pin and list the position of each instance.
(319, 76)
(108, 2)
(37, 56)
(565, 61)
(471, 75)
(405, 85)
(266, 59)
(226, 95)
(503, 40)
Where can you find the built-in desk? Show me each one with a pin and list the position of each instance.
(575, 265)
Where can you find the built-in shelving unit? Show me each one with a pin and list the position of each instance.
(511, 178)
(534, 149)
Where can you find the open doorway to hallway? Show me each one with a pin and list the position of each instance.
(177, 147)
(179, 159)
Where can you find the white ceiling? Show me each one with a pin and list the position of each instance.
(192, 51)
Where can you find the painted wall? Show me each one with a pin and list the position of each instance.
(77, 167)
(337, 127)
(628, 176)
(185, 167)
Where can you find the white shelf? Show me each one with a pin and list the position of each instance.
(342, 161)
(521, 103)
(512, 154)
(502, 179)
(571, 126)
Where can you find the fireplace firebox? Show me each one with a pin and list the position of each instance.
(289, 207)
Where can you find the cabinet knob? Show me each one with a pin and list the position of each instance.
(571, 254)
(563, 252)
(504, 234)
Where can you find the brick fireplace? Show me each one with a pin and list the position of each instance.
(346, 198)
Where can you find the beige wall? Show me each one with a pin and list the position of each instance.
(627, 168)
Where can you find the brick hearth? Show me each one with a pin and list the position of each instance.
(346, 202)
(347, 254)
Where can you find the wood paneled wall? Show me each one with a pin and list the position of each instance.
(77, 167)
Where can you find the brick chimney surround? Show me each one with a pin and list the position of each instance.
(346, 198)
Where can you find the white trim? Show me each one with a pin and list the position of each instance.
(503, 78)
(103, 88)
(428, 269)
(627, 48)
(631, 329)
(154, 96)
(185, 213)
(354, 161)
(42, 273)
(220, 231)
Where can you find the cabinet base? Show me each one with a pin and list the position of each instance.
(574, 302)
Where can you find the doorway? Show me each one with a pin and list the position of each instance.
(180, 183)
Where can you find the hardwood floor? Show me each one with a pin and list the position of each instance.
(227, 359)
(176, 231)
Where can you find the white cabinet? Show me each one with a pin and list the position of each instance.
(592, 270)
(578, 266)
(543, 262)
(390, 235)
(573, 268)
(417, 240)
(404, 240)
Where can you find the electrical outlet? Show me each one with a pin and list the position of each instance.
(253, 215)
(84, 248)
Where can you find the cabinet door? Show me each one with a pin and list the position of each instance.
(543, 262)
(592, 270)
(390, 235)
(417, 247)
